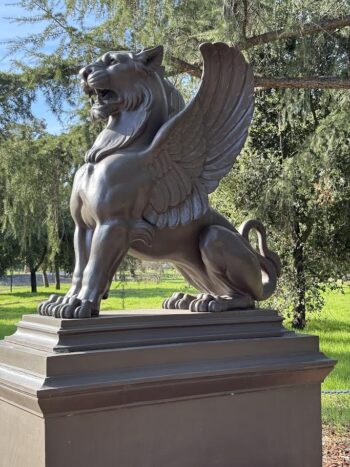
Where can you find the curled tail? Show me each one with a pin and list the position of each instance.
(269, 260)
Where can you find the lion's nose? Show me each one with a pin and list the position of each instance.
(84, 72)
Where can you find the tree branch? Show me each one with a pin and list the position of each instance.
(304, 30)
(245, 21)
(317, 82)
(71, 31)
(180, 66)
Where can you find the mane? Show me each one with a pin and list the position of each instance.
(124, 128)
(175, 99)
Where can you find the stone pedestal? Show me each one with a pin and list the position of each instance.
(155, 388)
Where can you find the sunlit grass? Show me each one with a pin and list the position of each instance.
(332, 325)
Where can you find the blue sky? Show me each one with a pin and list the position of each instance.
(10, 30)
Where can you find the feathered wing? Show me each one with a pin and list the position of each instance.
(194, 150)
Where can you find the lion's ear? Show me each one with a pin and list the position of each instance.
(152, 57)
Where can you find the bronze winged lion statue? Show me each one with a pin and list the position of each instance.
(145, 184)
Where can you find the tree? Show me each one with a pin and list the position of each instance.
(264, 26)
(296, 179)
(37, 171)
(15, 101)
(293, 174)
(8, 253)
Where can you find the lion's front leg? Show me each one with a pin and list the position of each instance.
(109, 245)
(82, 247)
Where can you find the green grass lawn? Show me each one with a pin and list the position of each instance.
(332, 325)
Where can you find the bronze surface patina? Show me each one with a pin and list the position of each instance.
(144, 186)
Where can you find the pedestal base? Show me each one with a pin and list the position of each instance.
(155, 389)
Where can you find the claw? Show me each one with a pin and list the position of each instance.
(67, 310)
(185, 302)
(44, 307)
(56, 311)
(170, 303)
(214, 306)
(84, 310)
(202, 303)
(40, 308)
(50, 310)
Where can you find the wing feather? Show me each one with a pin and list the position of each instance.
(194, 150)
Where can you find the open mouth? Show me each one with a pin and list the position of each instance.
(100, 97)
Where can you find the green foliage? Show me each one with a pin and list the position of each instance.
(37, 170)
(8, 253)
(15, 100)
(294, 175)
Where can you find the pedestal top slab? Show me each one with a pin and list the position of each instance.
(143, 327)
(55, 366)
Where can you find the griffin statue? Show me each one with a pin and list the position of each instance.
(144, 186)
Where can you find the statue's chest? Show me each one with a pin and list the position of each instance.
(113, 188)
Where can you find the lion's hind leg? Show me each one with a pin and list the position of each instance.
(233, 269)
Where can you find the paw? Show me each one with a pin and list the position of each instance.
(53, 306)
(85, 310)
(69, 307)
(44, 308)
(66, 310)
(202, 303)
(170, 303)
(56, 307)
(213, 304)
(181, 301)
(184, 303)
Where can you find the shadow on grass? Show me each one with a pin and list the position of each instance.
(38, 295)
(7, 329)
(11, 314)
(146, 292)
(328, 325)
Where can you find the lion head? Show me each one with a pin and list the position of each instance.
(114, 81)
(128, 89)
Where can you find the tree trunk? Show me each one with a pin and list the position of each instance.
(57, 278)
(33, 269)
(299, 320)
(33, 280)
(45, 279)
